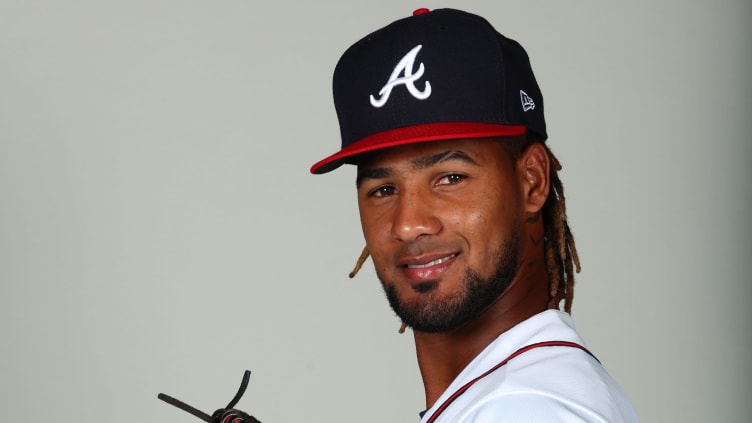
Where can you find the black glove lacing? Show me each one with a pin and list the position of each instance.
(222, 415)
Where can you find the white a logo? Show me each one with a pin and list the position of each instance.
(405, 66)
(527, 102)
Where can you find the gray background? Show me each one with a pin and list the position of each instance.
(159, 230)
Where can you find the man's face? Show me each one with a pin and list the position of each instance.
(442, 222)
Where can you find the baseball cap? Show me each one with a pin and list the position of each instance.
(436, 75)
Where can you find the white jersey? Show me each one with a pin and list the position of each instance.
(544, 384)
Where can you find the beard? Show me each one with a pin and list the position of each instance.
(476, 294)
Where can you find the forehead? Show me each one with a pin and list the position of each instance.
(424, 154)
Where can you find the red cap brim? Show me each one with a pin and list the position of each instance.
(413, 134)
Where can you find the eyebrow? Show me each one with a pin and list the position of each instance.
(418, 163)
(378, 173)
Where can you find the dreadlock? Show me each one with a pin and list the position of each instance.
(558, 242)
(562, 260)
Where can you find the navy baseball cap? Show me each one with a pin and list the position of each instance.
(436, 75)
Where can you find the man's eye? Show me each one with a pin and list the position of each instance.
(382, 191)
(450, 179)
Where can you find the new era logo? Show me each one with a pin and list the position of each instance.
(527, 102)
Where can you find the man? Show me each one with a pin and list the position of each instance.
(464, 218)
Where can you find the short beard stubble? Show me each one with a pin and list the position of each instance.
(476, 294)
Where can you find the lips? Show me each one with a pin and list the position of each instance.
(431, 263)
(427, 268)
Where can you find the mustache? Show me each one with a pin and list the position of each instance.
(420, 247)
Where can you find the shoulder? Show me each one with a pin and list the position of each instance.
(536, 407)
(546, 384)
(561, 385)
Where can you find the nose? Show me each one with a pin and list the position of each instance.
(414, 217)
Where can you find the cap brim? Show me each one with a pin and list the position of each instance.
(414, 134)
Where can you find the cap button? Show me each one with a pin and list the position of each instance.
(420, 11)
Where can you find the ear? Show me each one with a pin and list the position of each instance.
(533, 171)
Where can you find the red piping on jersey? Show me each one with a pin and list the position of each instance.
(527, 348)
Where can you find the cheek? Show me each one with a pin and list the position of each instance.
(489, 222)
(376, 229)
